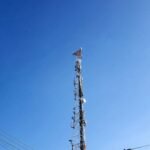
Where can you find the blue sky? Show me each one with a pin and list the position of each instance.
(37, 38)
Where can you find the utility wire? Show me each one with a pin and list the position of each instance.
(4, 147)
(12, 146)
(14, 141)
(148, 145)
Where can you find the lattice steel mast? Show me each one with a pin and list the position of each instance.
(78, 119)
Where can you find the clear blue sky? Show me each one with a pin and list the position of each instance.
(37, 38)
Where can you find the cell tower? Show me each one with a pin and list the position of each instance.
(78, 119)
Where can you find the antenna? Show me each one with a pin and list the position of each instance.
(78, 119)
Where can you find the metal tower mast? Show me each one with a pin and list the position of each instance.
(78, 119)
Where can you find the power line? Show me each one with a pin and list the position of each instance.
(12, 142)
(139, 147)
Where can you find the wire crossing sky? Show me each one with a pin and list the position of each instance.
(37, 38)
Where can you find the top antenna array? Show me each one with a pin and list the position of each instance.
(78, 53)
